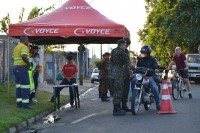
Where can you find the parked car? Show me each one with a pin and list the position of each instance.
(95, 75)
(194, 67)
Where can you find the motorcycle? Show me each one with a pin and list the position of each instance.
(141, 94)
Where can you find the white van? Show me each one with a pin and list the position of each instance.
(194, 67)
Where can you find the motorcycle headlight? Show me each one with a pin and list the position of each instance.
(138, 76)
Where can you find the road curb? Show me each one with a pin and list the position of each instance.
(32, 120)
(28, 122)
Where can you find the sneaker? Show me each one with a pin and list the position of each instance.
(158, 107)
(184, 89)
(190, 96)
(126, 109)
(34, 100)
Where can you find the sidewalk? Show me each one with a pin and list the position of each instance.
(82, 88)
(49, 88)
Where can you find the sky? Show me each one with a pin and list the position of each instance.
(130, 13)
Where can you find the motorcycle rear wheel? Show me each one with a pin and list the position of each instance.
(135, 104)
(147, 106)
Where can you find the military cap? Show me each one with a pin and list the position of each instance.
(128, 41)
(121, 41)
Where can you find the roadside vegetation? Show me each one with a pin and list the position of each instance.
(171, 23)
(11, 116)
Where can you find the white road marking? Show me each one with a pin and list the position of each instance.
(81, 119)
(82, 95)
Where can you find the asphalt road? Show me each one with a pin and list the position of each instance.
(96, 117)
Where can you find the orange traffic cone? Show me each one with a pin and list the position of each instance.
(169, 85)
(166, 103)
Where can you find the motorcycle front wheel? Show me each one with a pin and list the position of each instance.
(135, 102)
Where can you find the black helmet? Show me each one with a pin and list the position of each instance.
(146, 49)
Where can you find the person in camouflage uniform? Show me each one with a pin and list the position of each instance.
(127, 74)
(105, 82)
(118, 64)
(100, 82)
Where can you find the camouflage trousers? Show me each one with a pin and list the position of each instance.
(105, 86)
(117, 88)
(100, 85)
(126, 89)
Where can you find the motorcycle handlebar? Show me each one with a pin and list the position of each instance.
(145, 71)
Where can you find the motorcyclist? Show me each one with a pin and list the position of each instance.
(147, 61)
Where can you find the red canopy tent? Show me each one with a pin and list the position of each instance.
(75, 22)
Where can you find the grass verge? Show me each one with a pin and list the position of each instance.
(11, 116)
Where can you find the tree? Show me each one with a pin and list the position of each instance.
(184, 24)
(171, 23)
(154, 32)
(4, 23)
(35, 12)
(21, 16)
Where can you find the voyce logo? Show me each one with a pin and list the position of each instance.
(78, 7)
(30, 31)
(84, 31)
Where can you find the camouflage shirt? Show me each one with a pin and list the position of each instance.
(118, 63)
(127, 70)
(104, 68)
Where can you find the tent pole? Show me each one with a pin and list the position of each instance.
(8, 67)
(101, 51)
(81, 50)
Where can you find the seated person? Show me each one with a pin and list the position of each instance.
(69, 72)
(147, 61)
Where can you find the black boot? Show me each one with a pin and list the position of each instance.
(125, 107)
(107, 96)
(103, 98)
(117, 110)
(99, 94)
